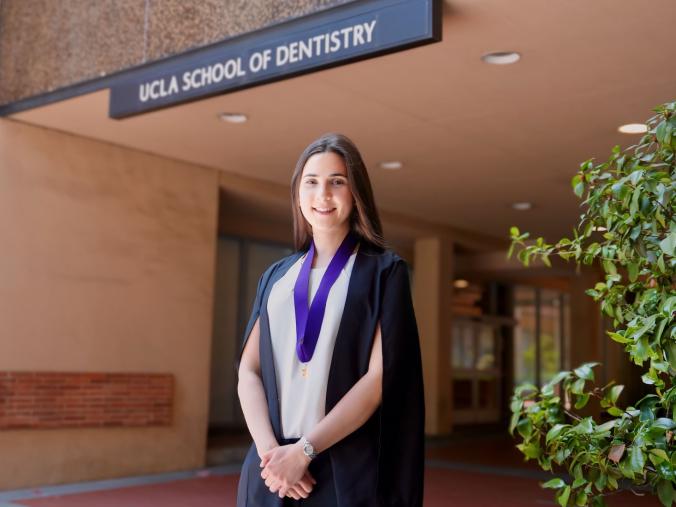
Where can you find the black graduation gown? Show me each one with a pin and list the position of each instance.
(381, 463)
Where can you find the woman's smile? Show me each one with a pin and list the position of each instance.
(324, 211)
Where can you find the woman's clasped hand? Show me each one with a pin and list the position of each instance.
(285, 471)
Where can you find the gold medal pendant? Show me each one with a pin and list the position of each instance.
(303, 371)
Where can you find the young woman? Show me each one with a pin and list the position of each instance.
(330, 375)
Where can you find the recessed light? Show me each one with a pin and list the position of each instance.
(501, 57)
(460, 283)
(391, 165)
(633, 128)
(522, 206)
(233, 117)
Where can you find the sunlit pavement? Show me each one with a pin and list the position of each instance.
(472, 472)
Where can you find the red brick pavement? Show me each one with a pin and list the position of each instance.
(467, 472)
(443, 488)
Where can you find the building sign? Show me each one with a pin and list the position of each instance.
(344, 34)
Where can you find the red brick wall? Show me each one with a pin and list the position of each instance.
(67, 400)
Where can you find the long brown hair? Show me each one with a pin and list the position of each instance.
(364, 220)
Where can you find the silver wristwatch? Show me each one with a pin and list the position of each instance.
(308, 448)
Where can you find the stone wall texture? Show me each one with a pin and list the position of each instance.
(46, 45)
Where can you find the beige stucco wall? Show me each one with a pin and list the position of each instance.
(107, 265)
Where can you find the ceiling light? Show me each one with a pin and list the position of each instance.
(522, 206)
(501, 57)
(633, 128)
(460, 284)
(233, 117)
(392, 165)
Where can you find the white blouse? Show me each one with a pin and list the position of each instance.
(302, 399)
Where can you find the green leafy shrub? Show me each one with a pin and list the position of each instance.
(629, 227)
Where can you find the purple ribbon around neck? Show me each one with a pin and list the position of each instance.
(309, 321)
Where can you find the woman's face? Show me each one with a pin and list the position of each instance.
(324, 193)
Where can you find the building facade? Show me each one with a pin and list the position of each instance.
(131, 245)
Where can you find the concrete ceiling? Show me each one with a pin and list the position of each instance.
(473, 137)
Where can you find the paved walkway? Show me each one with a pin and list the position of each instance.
(477, 473)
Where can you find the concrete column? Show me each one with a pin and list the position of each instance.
(432, 291)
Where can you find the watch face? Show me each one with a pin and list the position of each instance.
(309, 450)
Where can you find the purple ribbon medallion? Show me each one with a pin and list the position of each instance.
(309, 321)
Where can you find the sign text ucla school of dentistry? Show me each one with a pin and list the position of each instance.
(340, 35)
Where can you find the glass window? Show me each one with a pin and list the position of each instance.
(486, 353)
(540, 334)
(551, 337)
(524, 335)
(463, 345)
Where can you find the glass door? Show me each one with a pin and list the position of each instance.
(476, 370)
(540, 334)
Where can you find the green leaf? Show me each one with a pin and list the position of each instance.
(636, 459)
(632, 269)
(660, 264)
(601, 481)
(660, 456)
(580, 481)
(582, 401)
(648, 324)
(585, 371)
(557, 378)
(554, 432)
(525, 428)
(513, 422)
(664, 423)
(618, 337)
(669, 243)
(563, 496)
(606, 426)
(577, 387)
(584, 426)
(633, 208)
(581, 498)
(578, 185)
(554, 484)
(531, 450)
(615, 393)
(641, 351)
(660, 132)
(665, 492)
(626, 469)
(609, 267)
(615, 412)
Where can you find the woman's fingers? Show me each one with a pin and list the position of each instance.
(299, 492)
(293, 494)
(305, 485)
(309, 476)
